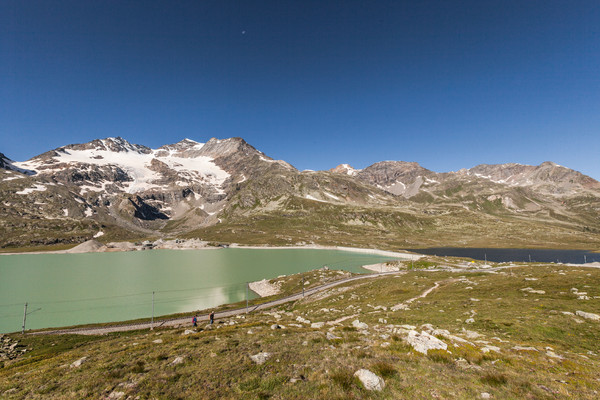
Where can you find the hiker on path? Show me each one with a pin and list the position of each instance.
(195, 321)
(212, 317)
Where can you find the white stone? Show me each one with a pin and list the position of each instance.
(469, 321)
(531, 290)
(488, 348)
(369, 380)
(177, 360)
(302, 320)
(77, 364)
(400, 306)
(116, 395)
(552, 354)
(422, 342)
(331, 336)
(470, 334)
(523, 348)
(586, 315)
(157, 341)
(188, 332)
(317, 325)
(359, 325)
(260, 358)
(485, 395)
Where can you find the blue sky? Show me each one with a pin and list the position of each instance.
(449, 84)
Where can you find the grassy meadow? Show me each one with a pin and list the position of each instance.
(513, 333)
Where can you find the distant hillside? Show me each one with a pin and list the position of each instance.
(226, 190)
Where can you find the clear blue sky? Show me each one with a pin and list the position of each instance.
(449, 84)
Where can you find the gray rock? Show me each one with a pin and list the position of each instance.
(77, 364)
(423, 342)
(178, 360)
(359, 325)
(369, 380)
(260, 358)
(590, 316)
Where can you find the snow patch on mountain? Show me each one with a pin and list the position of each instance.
(136, 161)
(35, 188)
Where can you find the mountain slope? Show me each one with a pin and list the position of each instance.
(227, 190)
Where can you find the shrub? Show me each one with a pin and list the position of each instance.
(384, 369)
(494, 378)
(138, 368)
(343, 378)
(439, 355)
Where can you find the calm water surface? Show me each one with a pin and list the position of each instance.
(516, 255)
(102, 287)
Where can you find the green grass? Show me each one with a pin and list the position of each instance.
(305, 364)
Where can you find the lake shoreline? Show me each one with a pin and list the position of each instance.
(179, 244)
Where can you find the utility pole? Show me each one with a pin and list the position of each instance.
(584, 259)
(530, 258)
(24, 319)
(247, 285)
(302, 286)
(152, 323)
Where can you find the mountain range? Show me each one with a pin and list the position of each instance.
(227, 191)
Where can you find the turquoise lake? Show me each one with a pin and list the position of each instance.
(71, 289)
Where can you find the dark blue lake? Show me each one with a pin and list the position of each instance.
(516, 255)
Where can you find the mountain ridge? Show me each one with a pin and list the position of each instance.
(188, 188)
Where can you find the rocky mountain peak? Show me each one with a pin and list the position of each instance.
(113, 144)
(345, 169)
(396, 177)
(224, 147)
(4, 161)
(547, 173)
(186, 148)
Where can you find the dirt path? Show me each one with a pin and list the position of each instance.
(186, 321)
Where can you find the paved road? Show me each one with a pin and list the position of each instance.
(186, 321)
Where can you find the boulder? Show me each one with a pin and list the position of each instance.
(260, 358)
(77, 364)
(423, 342)
(587, 315)
(369, 380)
(359, 325)
(177, 360)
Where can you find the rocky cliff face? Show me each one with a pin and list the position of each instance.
(397, 177)
(71, 193)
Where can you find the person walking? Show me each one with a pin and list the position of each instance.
(212, 317)
(195, 321)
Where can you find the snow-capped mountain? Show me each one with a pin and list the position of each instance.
(227, 187)
(115, 165)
